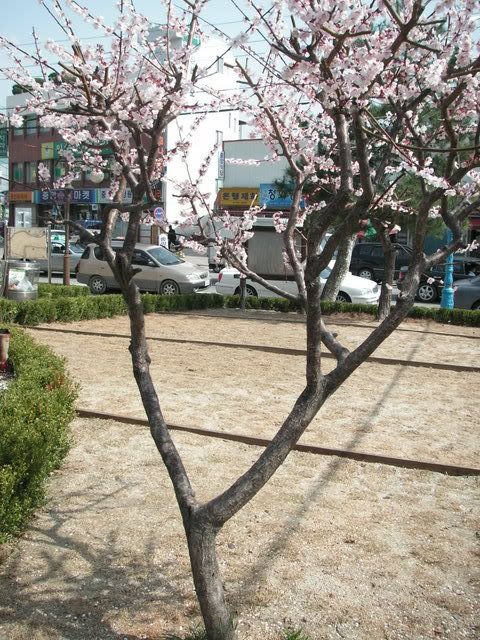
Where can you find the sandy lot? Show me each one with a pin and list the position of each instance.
(396, 410)
(346, 550)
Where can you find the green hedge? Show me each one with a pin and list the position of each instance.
(61, 291)
(35, 412)
(87, 307)
(451, 316)
(80, 306)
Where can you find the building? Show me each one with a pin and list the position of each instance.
(30, 205)
(244, 184)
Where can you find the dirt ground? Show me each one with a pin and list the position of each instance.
(391, 409)
(345, 550)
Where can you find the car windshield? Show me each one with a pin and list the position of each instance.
(164, 256)
(75, 248)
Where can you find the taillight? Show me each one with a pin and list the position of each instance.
(401, 276)
(220, 276)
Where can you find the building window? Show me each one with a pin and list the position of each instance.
(31, 172)
(17, 171)
(219, 137)
(220, 65)
(31, 125)
(60, 169)
(45, 129)
(18, 132)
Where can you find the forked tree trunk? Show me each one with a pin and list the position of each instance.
(340, 269)
(208, 583)
(385, 301)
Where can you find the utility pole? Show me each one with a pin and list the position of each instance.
(66, 255)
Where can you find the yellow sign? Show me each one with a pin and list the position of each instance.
(237, 197)
(20, 196)
(47, 151)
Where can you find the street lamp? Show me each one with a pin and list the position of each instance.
(96, 176)
(447, 301)
(66, 253)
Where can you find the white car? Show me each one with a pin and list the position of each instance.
(353, 289)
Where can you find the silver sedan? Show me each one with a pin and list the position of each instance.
(57, 254)
(467, 293)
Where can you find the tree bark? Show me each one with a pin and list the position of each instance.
(385, 301)
(243, 293)
(208, 582)
(340, 268)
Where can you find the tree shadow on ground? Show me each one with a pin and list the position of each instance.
(257, 572)
(52, 599)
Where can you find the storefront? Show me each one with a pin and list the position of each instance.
(23, 213)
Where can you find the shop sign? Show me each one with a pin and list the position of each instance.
(47, 150)
(103, 196)
(59, 196)
(54, 150)
(3, 142)
(237, 197)
(270, 197)
(20, 196)
(84, 195)
(221, 165)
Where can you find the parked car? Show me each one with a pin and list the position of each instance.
(161, 271)
(467, 293)
(368, 260)
(353, 289)
(428, 291)
(57, 255)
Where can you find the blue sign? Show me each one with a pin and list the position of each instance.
(269, 196)
(60, 196)
(86, 196)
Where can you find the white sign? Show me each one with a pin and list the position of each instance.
(221, 165)
(28, 243)
(163, 240)
(103, 196)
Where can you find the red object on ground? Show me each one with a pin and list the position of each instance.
(4, 345)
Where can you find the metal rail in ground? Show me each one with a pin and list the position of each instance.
(359, 456)
(443, 366)
(299, 319)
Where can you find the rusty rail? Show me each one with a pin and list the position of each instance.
(359, 456)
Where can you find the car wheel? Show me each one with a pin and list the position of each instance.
(343, 297)
(366, 273)
(97, 285)
(427, 292)
(249, 290)
(169, 288)
(476, 306)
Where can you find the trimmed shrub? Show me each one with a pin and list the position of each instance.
(87, 307)
(35, 412)
(61, 291)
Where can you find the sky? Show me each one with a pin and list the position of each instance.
(19, 16)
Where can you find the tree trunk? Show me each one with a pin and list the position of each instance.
(208, 583)
(340, 269)
(385, 301)
(243, 293)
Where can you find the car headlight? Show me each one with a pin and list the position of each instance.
(193, 277)
(366, 292)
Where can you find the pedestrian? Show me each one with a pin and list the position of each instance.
(172, 239)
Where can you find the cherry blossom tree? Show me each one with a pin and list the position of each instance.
(315, 98)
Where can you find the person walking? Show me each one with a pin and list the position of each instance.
(172, 239)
